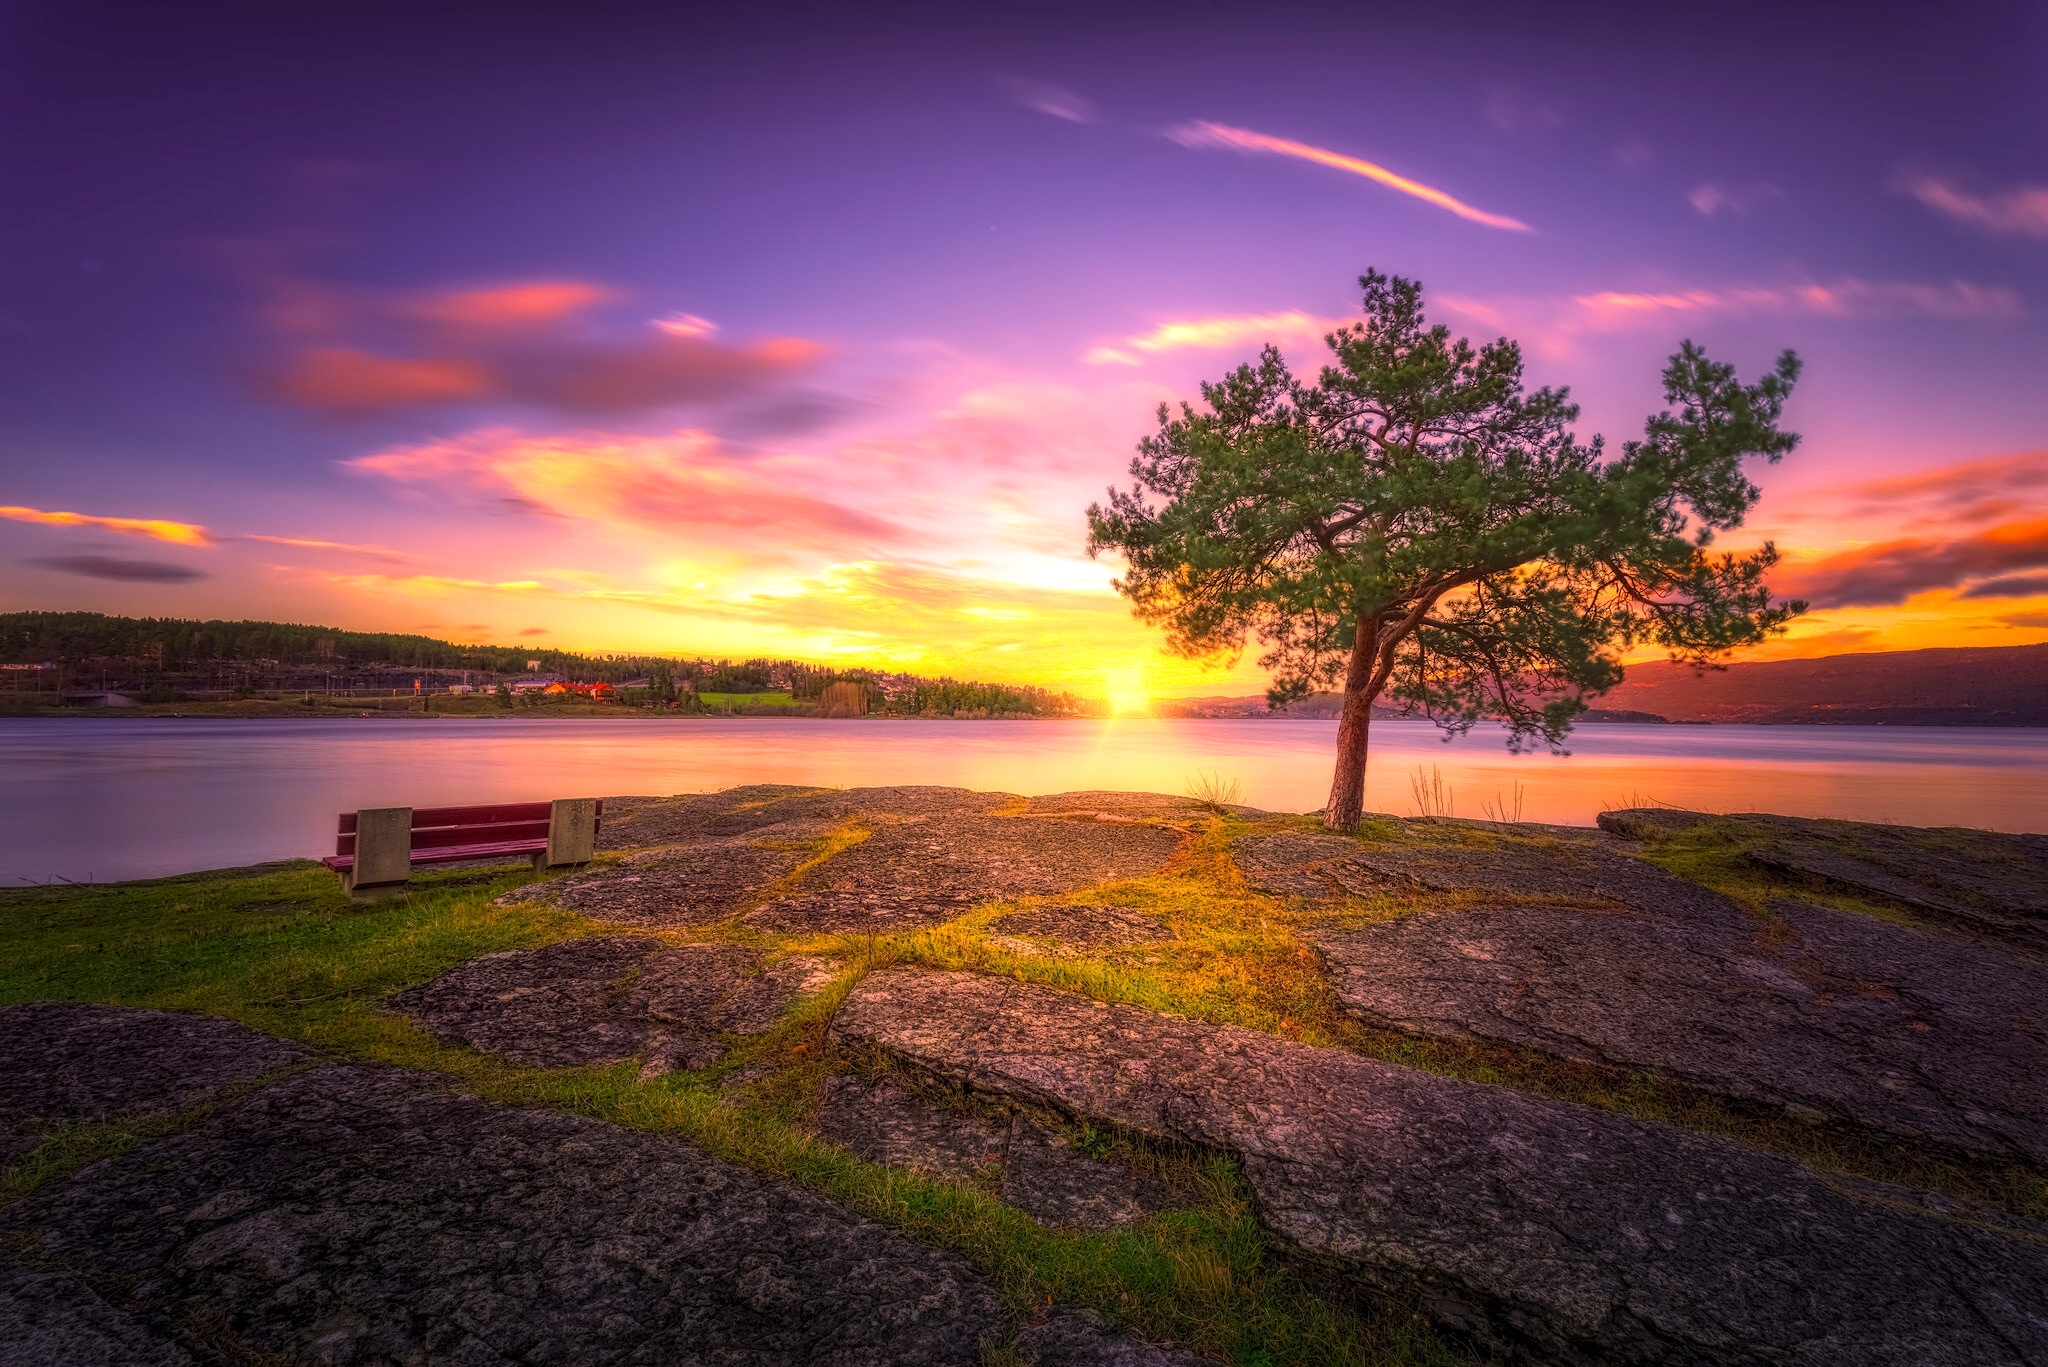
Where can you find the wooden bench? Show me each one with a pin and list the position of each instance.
(377, 846)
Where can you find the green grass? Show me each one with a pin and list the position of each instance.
(281, 949)
(751, 700)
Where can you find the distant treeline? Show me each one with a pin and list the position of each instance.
(153, 652)
(173, 643)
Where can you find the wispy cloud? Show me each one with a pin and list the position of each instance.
(307, 543)
(1202, 133)
(2021, 211)
(1709, 200)
(1214, 333)
(1846, 298)
(1057, 101)
(1962, 492)
(155, 528)
(118, 568)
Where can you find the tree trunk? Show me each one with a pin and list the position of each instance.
(1354, 727)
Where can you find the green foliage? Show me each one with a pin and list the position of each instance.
(1417, 522)
(949, 697)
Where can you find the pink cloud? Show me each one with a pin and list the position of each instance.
(684, 481)
(2021, 211)
(1202, 133)
(536, 343)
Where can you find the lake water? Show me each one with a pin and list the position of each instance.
(110, 798)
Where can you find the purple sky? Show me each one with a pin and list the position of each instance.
(815, 334)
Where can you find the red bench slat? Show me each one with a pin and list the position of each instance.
(437, 837)
(481, 816)
(451, 853)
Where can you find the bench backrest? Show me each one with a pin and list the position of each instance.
(437, 828)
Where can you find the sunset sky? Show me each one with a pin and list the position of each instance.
(814, 336)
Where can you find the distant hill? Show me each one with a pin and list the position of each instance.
(1969, 686)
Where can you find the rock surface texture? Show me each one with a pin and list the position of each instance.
(919, 855)
(1982, 882)
(1858, 1018)
(353, 1214)
(1324, 867)
(1579, 1235)
(364, 1214)
(73, 1062)
(919, 873)
(600, 1001)
(1038, 1172)
(677, 888)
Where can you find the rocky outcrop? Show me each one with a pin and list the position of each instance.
(1575, 1234)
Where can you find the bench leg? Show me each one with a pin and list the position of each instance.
(572, 831)
(383, 850)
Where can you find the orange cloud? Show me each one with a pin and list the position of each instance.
(1202, 133)
(157, 529)
(2021, 211)
(1968, 491)
(1892, 572)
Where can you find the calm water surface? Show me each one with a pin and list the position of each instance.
(109, 798)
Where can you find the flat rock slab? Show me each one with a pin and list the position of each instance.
(1086, 927)
(55, 1318)
(919, 873)
(639, 822)
(1040, 1173)
(1059, 1186)
(1107, 804)
(1579, 1234)
(600, 1001)
(695, 885)
(886, 1123)
(1323, 867)
(74, 1062)
(1858, 1018)
(1986, 882)
(1072, 1338)
(362, 1214)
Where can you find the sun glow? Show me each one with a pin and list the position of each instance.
(1125, 691)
